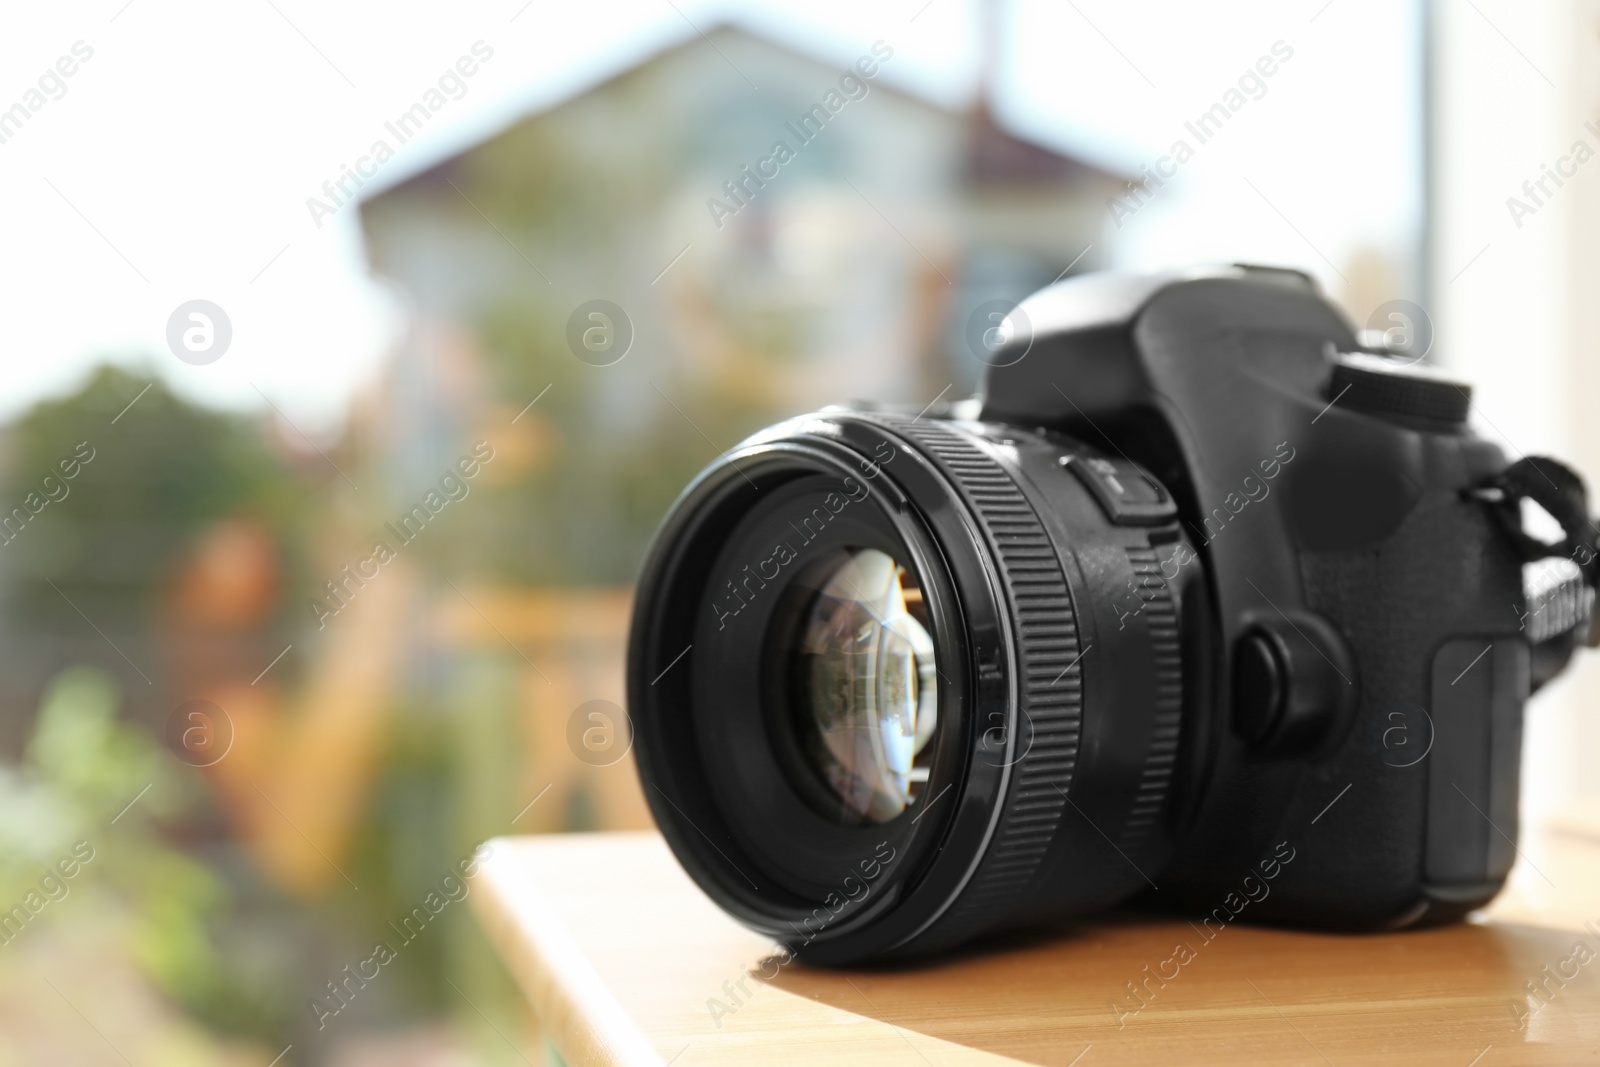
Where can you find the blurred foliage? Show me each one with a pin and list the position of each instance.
(560, 523)
(424, 820)
(174, 888)
(83, 769)
(239, 959)
(584, 514)
(162, 472)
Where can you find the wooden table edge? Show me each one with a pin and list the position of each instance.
(528, 891)
(581, 1016)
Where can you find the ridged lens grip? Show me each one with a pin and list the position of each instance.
(1049, 718)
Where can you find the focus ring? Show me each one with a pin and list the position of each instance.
(1050, 714)
(1161, 621)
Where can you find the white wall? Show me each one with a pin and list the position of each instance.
(1515, 305)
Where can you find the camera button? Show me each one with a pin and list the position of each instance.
(1291, 691)
(1260, 685)
(1129, 496)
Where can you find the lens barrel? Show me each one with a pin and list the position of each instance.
(896, 682)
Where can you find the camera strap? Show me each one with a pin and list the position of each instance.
(1559, 490)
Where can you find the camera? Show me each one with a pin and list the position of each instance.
(1200, 607)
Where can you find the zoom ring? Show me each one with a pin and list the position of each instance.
(1046, 632)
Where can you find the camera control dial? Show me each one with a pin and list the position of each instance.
(1399, 391)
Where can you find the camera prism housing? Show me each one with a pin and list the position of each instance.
(1201, 606)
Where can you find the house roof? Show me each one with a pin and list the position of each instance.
(995, 155)
(998, 157)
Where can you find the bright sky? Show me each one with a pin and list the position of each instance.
(176, 163)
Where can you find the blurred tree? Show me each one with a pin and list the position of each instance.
(159, 473)
(191, 542)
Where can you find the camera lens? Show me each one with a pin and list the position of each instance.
(895, 682)
(866, 689)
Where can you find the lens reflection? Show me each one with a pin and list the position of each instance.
(867, 693)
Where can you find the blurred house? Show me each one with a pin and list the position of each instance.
(780, 232)
(847, 271)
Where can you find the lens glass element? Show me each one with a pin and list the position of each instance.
(865, 686)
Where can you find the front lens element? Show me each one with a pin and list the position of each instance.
(866, 694)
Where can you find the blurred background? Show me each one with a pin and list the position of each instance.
(323, 478)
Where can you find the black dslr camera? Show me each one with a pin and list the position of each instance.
(1200, 604)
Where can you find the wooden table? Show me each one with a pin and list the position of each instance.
(627, 962)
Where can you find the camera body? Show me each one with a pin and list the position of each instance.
(1199, 606)
(1367, 633)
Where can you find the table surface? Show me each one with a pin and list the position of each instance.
(627, 962)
